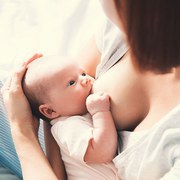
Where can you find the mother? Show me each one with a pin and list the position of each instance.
(144, 85)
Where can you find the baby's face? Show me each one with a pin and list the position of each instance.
(71, 86)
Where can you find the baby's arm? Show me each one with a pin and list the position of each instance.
(103, 145)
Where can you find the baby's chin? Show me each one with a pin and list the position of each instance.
(84, 111)
(79, 112)
(91, 90)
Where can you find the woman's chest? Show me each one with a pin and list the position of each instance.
(123, 85)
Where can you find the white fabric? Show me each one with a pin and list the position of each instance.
(73, 135)
(110, 42)
(45, 26)
(155, 154)
(51, 27)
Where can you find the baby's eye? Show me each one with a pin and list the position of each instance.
(71, 83)
(83, 74)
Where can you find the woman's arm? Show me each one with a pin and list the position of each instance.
(89, 57)
(53, 153)
(33, 161)
(24, 129)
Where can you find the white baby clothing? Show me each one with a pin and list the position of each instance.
(152, 154)
(73, 135)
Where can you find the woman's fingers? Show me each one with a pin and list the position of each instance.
(12, 86)
(13, 83)
(18, 76)
(15, 79)
(35, 56)
(17, 105)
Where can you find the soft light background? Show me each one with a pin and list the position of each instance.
(46, 26)
(50, 27)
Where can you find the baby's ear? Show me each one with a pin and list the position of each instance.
(47, 111)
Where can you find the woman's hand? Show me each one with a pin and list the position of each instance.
(24, 128)
(17, 106)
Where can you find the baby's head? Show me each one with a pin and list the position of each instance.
(56, 86)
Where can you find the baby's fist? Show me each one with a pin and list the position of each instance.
(98, 102)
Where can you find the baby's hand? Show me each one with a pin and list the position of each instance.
(98, 102)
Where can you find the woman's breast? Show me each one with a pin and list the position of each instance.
(122, 84)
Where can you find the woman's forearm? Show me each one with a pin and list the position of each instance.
(33, 161)
(53, 153)
(24, 127)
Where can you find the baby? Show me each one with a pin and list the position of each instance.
(59, 91)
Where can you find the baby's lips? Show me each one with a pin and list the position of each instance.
(92, 81)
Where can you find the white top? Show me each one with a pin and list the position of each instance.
(72, 135)
(111, 44)
(152, 154)
(148, 155)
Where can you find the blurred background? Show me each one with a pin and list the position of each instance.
(50, 27)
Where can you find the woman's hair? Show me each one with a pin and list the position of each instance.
(153, 32)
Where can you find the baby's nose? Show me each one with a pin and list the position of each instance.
(85, 81)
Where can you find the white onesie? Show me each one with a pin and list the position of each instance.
(73, 135)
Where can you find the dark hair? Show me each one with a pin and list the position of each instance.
(33, 100)
(153, 32)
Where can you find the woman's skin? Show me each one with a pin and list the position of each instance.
(138, 97)
(138, 100)
(24, 128)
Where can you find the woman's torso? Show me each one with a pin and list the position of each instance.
(123, 86)
(138, 100)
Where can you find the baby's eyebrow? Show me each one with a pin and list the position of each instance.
(82, 70)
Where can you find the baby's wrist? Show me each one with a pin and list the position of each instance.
(100, 112)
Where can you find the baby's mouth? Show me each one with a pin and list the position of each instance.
(92, 82)
(91, 90)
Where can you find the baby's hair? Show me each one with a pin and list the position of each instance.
(34, 96)
(35, 89)
(35, 85)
